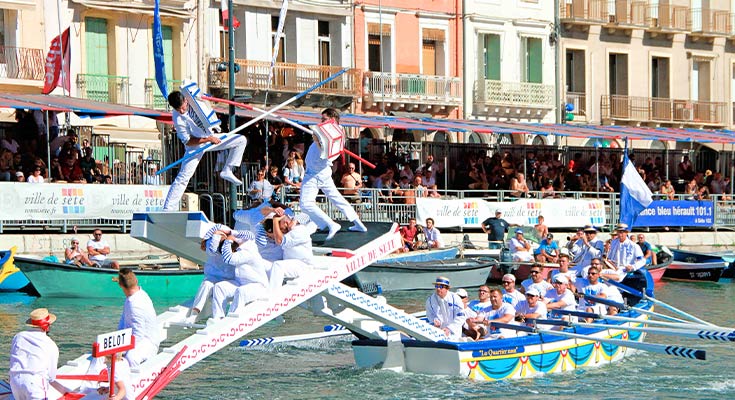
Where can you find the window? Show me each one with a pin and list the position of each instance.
(325, 45)
(532, 60)
(282, 45)
(660, 77)
(489, 67)
(2, 27)
(379, 53)
(618, 70)
(575, 71)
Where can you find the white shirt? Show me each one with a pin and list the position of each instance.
(215, 269)
(449, 311)
(584, 286)
(434, 236)
(567, 297)
(480, 308)
(265, 190)
(583, 254)
(626, 253)
(139, 314)
(34, 179)
(296, 243)
(122, 374)
(250, 267)
(502, 311)
(543, 287)
(513, 298)
(151, 179)
(186, 127)
(34, 352)
(314, 163)
(98, 245)
(524, 308)
(247, 220)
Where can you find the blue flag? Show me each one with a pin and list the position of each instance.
(635, 195)
(159, 64)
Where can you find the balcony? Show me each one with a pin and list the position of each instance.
(512, 99)
(583, 12)
(409, 92)
(667, 19)
(153, 97)
(22, 63)
(625, 14)
(579, 101)
(708, 24)
(104, 88)
(660, 110)
(288, 80)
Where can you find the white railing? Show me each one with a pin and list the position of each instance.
(491, 92)
(430, 89)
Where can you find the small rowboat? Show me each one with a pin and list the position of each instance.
(693, 266)
(11, 279)
(657, 271)
(53, 279)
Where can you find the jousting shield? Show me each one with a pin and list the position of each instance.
(331, 138)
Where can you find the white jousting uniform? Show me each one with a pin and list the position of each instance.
(33, 360)
(139, 314)
(251, 277)
(185, 129)
(215, 269)
(449, 311)
(584, 253)
(319, 176)
(625, 254)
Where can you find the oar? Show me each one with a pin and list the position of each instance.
(621, 306)
(101, 377)
(677, 325)
(293, 338)
(678, 351)
(226, 137)
(642, 295)
(723, 336)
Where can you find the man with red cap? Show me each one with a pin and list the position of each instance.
(33, 359)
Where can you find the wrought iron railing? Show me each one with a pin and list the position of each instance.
(709, 21)
(286, 77)
(21, 63)
(634, 108)
(105, 88)
(491, 92)
(426, 89)
(667, 17)
(579, 101)
(153, 97)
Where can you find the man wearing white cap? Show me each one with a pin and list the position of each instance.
(445, 310)
(586, 248)
(520, 248)
(560, 298)
(498, 311)
(532, 307)
(33, 359)
(511, 295)
(625, 255)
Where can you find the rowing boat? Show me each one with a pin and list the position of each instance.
(693, 266)
(513, 358)
(53, 279)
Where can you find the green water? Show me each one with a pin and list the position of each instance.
(325, 368)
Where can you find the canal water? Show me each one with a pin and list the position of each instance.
(325, 368)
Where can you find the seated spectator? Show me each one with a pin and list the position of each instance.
(352, 183)
(36, 177)
(6, 166)
(9, 143)
(433, 236)
(388, 186)
(416, 190)
(88, 164)
(647, 250)
(291, 177)
(667, 190)
(260, 188)
(99, 250)
(150, 178)
(520, 248)
(605, 184)
(19, 177)
(478, 180)
(18, 162)
(547, 251)
(406, 171)
(547, 191)
(71, 171)
(73, 255)
(430, 183)
(275, 180)
(518, 186)
(408, 235)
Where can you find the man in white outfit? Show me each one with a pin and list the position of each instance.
(251, 274)
(138, 314)
(33, 359)
(193, 136)
(586, 248)
(319, 176)
(215, 269)
(625, 255)
(445, 309)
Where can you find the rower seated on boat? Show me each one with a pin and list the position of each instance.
(624, 255)
(490, 308)
(445, 309)
(561, 298)
(647, 250)
(532, 307)
(591, 286)
(215, 269)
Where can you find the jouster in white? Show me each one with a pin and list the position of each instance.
(138, 314)
(625, 254)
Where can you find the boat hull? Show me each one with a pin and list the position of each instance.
(708, 272)
(446, 253)
(492, 360)
(415, 276)
(11, 279)
(60, 280)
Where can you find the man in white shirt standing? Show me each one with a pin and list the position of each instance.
(193, 136)
(33, 359)
(138, 314)
(319, 177)
(99, 249)
(587, 247)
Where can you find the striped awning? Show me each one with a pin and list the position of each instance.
(374, 29)
(432, 35)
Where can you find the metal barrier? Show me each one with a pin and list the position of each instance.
(370, 207)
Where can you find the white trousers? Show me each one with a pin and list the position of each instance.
(28, 386)
(221, 295)
(188, 167)
(143, 350)
(282, 269)
(310, 189)
(247, 293)
(204, 292)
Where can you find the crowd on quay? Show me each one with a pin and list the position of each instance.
(571, 287)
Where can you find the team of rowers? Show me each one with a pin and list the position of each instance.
(463, 319)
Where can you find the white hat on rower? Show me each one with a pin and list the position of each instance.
(462, 293)
(560, 278)
(509, 277)
(533, 292)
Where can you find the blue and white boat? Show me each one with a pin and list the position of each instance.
(11, 278)
(694, 266)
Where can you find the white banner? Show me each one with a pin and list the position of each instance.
(469, 213)
(48, 201)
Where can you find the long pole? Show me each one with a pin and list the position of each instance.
(231, 86)
(557, 86)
